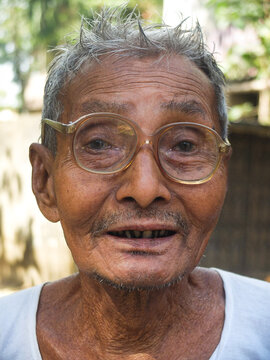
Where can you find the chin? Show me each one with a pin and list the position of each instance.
(137, 284)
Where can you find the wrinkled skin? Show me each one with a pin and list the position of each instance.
(139, 198)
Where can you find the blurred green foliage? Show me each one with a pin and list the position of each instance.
(237, 112)
(28, 28)
(244, 62)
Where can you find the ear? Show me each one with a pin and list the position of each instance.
(42, 162)
(226, 158)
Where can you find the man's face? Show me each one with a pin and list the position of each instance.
(97, 212)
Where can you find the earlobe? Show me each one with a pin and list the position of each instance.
(42, 181)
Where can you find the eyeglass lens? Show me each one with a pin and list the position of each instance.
(104, 144)
(186, 152)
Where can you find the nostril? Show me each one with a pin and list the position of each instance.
(129, 199)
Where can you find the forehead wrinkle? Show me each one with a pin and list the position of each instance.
(145, 79)
(133, 74)
(105, 78)
(187, 107)
(108, 87)
(103, 106)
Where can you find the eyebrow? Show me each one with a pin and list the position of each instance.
(187, 107)
(103, 106)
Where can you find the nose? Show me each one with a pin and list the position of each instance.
(143, 182)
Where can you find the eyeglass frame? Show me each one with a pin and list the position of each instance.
(71, 128)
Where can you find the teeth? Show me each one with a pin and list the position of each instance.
(147, 234)
(128, 234)
(137, 233)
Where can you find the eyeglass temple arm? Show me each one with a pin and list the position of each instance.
(58, 126)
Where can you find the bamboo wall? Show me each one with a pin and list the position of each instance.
(241, 241)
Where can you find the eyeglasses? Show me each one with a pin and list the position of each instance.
(106, 143)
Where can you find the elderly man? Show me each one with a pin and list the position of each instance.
(133, 163)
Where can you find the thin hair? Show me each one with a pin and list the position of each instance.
(113, 33)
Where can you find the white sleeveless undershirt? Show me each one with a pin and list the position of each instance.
(245, 335)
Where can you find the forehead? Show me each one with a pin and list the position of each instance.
(139, 87)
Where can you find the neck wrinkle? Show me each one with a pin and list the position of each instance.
(130, 321)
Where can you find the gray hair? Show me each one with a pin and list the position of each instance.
(112, 33)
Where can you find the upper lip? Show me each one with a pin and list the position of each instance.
(142, 227)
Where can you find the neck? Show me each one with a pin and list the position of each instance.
(134, 320)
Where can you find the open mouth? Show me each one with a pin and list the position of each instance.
(146, 234)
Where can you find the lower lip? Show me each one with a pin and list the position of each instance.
(143, 244)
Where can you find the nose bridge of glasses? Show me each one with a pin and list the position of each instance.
(146, 141)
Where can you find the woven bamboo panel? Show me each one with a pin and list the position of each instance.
(241, 241)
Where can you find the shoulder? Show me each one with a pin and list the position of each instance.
(18, 324)
(247, 318)
(18, 301)
(250, 297)
(244, 286)
(247, 315)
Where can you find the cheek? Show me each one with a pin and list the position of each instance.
(80, 197)
(205, 206)
(204, 203)
(211, 204)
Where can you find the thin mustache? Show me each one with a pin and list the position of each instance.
(101, 226)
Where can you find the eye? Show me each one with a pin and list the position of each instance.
(184, 146)
(98, 144)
